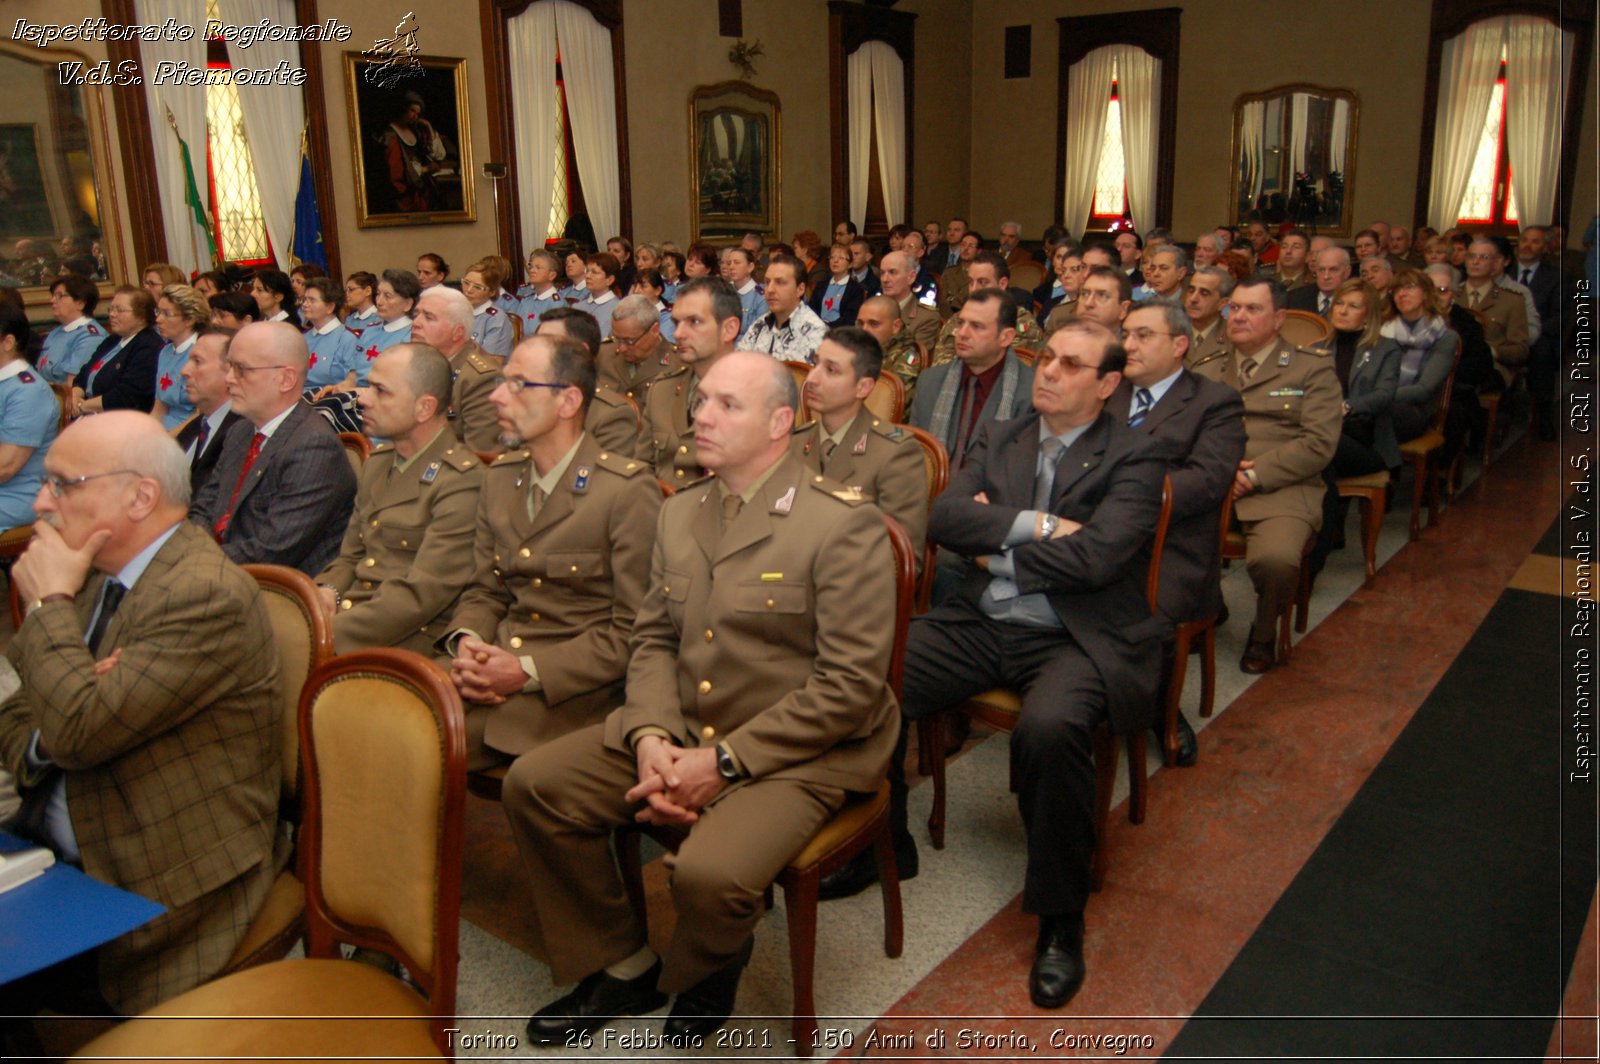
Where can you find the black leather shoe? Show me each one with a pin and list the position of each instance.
(595, 1001)
(1188, 746)
(1257, 658)
(706, 1006)
(862, 872)
(1058, 961)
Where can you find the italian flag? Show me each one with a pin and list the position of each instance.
(205, 246)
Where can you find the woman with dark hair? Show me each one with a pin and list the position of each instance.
(301, 274)
(274, 294)
(700, 261)
(838, 300)
(414, 153)
(360, 293)
(69, 346)
(181, 313)
(121, 375)
(332, 347)
(397, 298)
(650, 284)
(212, 283)
(601, 279)
(234, 310)
(29, 417)
(621, 249)
(671, 275)
(575, 265)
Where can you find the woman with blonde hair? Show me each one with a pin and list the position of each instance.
(181, 312)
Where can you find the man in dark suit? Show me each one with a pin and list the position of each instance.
(1544, 354)
(205, 381)
(282, 494)
(145, 733)
(1199, 426)
(1057, 509)
(1331, 269)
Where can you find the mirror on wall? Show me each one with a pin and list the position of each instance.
(56, 200)
(1294, 153)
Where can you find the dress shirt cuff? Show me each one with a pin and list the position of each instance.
(35, 766)
(533, 685)
(1003, 564)
(644, 730)
(1022, 529)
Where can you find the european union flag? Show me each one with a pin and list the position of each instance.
(307, 244)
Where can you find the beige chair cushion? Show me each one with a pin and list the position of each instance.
(1376, 480)
(292, 631)
(380, 790)
(285, 991)
(1426, 443)
(846, 824)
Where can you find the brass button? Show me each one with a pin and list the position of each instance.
(680, 472)
(524, 553)
(574, 568)
(708, 733)
(708, 635)
(497, 557)
(604, 456)
(374, 522)
(770, 604)
(516, 642)
(705, 687)
(371, 562)
(684, 449)
(346, 604)
(537, 582)
(366, 585)
(534, 617)
(666, 589)
(403, 543)
(817, 479)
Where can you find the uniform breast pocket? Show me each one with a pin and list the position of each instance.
(1286, 407)
(777, 599)
(401, 537)
(575, 565)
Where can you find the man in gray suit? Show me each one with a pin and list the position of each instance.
(987, 382)
(282, 494)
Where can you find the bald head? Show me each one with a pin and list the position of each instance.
(742, 426)
(267, 370)
(881, 317)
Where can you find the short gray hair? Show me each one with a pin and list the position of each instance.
(1180, 257)
(1224, 279)
(1444, 271)
(636, 309)
(457, 309)
(1335, 250)
(782, 390)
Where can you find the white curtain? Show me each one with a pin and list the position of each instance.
(889, 112)
(1299, 132)
(592, 107)
(1467, 70)
(1340, 134)
(1538, 60)
(1252, 135)
(1139, 90)
(274, 117)
(531, 49)
(187, 103)
(858, 85)
(1088, 89)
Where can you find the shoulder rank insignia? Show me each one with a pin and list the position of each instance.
(785, 502)
(430, 474)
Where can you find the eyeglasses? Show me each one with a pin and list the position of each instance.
(1143, 335)
(240, 370)
(473, 286)
(625, 342)
(514, 385)
(58, 486)
(1067, 362)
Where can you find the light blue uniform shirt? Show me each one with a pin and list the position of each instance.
(491, 329)
(601, 307)
(333, 354)
(535, 304)
(665, 313)
(376, 341)
(29, 416)
(169, 384)
(67, 349)
(359, 323)
(754, 304)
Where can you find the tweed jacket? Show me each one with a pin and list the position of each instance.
(171, 757)
(772, 635)
(296, 500)
(407, 551)
(561, 589)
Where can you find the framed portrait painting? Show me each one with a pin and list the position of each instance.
(736, 137)
(414, 163)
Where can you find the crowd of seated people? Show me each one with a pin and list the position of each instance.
(504, 522)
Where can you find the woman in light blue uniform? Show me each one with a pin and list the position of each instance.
(543, 294)
(397, 297)
(601, 277)
(672, 263)
(332, 346)
(180, 313)
(29, 418)
(491, 326)
(360, 289)
(576, 266)
(648, 283)
(70, 344)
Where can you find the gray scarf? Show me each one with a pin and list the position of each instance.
(944, 404)
(1415, 341)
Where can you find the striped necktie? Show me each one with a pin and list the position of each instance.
(1143, 400)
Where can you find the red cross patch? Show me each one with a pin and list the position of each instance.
(166, 381)
(312, 362)
(96, 367)
(372, 352)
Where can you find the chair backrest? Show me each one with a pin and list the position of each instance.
(357, 448)
(1158, 545)
(384, 748)
(305, 642)
(1442, 412)
(488, 458)
(905, 595)
(936, 467)
(1027, 275)
(63, 397)
(1026, 355)
(922, 354)
(1232, 543)
(1305, 329)
(887, 400)
(516, 329)
(800, 371)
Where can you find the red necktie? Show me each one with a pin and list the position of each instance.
(220, 529)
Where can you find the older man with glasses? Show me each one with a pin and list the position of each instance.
(637, 354)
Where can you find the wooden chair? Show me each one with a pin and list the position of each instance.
(1423, 453)
(13, 541)
(305, 643)
(936, 464)
(923, 355)
(383, 748)
(63, 397)
(1490, 401)
(858, 825)
(1026, 354)
(1372, 492)
(357, 448)
(1027, 276)
(1184, 634)
(1305, 329)
(516, 329)
(1001, 708)
(887, 400)
(800, 371)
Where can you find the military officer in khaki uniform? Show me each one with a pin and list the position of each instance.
(613, 419)
(849, 444)
(1293, 414)
(636, 355)
(705, 319)
(880, 316)
(443, 319)
(897, 271)
(1205, 292)
(405, 555)
(757, 700)
(986, 270)
(1503, 314)
(564, 526)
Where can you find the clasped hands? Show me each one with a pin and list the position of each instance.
(485, 673)
(675, 782)
(1065, 526)
(1242, 484)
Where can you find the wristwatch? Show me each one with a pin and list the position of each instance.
(1048, 526)
(726, 768)
(36, 603)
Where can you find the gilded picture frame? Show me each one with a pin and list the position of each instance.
(413, 141)
(735, 161)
